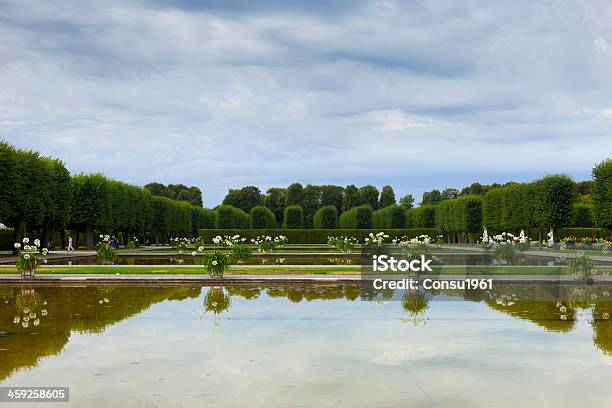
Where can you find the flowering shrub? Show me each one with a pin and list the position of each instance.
(342, 244)
(267, 243)
(133, 244)
(604, 245)
(582, 267)
(376, 240)
(416, 246)
(216, 262)
(240, 250)
(180, 244)
(106, 254)
(28, 257)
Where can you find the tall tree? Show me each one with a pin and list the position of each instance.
(369, 195)
(311, 203)
(332, 195)
(387, 197)
(245, 198)
(275, 201)
(294, 195)
(407, 201)
(449, 193)
(351, 197)
(601, 193)
(432, 197)
(555, 195)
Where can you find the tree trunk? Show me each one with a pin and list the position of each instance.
(75, 243)
(63, 238)
(89, 236)
(540, 238)
(45, 235)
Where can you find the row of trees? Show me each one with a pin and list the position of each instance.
(39, 196)
(312, 198)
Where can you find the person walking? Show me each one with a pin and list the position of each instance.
(70, 247)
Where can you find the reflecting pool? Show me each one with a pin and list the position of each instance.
(516, 345)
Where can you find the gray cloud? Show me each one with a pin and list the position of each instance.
(225, 93)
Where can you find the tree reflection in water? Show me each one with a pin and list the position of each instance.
(53, 313)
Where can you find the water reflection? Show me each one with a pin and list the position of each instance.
(36, 322)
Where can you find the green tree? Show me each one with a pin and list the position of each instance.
(262, 217)
(326, 217)
(245, 198)
(351, 197)
(311, 203)
(432, 197)
(275, 201)
(332, 195)
(91, 204)
(601, 193)
(294, 195)
(369, 195)
(407, 201)
(387, 197)
(555, 195)
(294, 217)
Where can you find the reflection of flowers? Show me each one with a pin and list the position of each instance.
(415, 303)
(28, 303)
(217, 301)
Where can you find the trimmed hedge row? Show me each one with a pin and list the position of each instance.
(294, 217)
(231, 217)
(357, 218)
(460, 216)
(314, 236)
(262, 217)
(392, 216)
(6, 239)
(421, 217)
(326, 218)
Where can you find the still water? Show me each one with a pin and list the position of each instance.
(314, 346)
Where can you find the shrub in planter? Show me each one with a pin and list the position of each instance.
(262, 217)
(326, 218)
(28, 257)
(294, 217)
(105, 253)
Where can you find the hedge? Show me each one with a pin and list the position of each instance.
(392, 216)
(314, 236)
(294, 217)
(421, 217)
(583, 232)
(231, 217)
(357, 218)
(460, 217)
(326, 218)
(6, 239)
(582, 215)
(262, 217)
(202, 218)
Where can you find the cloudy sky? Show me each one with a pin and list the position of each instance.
(225, 93)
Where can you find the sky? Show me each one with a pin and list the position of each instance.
(226, 93)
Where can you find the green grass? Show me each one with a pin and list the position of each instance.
(274, 270)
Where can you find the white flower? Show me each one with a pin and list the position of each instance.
(200, 248)
(193, 253)
(214, 263)
(24, 324)
(36, 322)
(17, 245)
(43, 312)
(16, 319)
(26, 257)
(26, 240)
(45, 251)
(44, 261)
(37, 242)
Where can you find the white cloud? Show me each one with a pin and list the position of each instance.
(227, 95)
